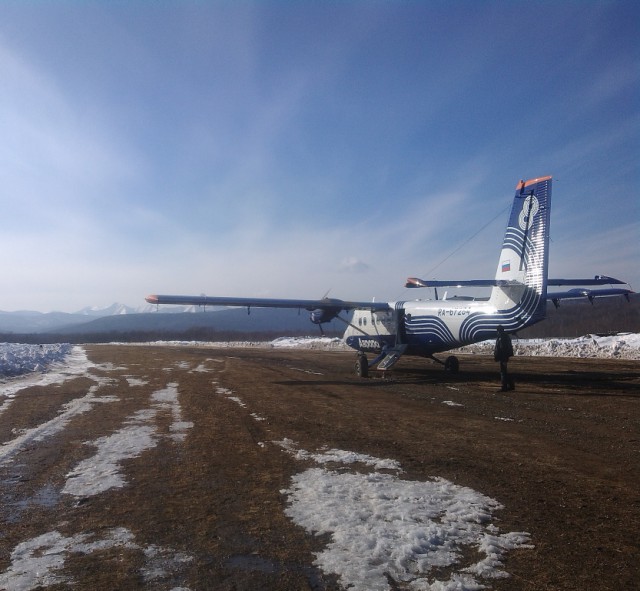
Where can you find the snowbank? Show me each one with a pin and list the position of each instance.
(620, 346)
(309, 343)
(322, 343)
(18, 359)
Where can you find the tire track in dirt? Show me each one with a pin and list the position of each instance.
(211, 504)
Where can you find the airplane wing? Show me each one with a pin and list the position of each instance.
(322, 310)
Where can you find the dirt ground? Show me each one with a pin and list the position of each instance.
(561, 453)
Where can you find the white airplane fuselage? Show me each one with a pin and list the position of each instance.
(424, 326)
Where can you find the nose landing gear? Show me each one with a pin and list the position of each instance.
(362, 365)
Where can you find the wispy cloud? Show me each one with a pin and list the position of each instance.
(262, 149)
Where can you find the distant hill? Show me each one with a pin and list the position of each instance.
(27, 321)
(233, 319)
(573, 318)
(225, 324)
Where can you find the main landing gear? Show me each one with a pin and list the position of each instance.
(362, 365)
(451, 364)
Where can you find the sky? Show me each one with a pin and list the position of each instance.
(299, 148)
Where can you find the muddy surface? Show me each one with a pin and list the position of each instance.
(203, 508)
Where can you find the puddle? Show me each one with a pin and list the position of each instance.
(47, 498)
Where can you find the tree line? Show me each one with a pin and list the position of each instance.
(573, 318)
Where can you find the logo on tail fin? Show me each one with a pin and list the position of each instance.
(530, 208)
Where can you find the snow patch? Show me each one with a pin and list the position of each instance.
(38, 562)
(102, 471)
(49, 428)
(384, 529)
(136, 382)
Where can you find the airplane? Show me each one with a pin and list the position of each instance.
(425, 327)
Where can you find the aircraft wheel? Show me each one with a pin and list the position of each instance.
(362, 366)
(452, 365)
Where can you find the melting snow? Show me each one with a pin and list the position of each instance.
(38, 562)
(384, 529)
(101, 472)
(47, 429)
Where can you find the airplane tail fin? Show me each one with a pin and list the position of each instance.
(521, 276)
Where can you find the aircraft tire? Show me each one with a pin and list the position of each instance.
(451, 364)
(362, 366)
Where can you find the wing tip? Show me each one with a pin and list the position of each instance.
(414, 282)
(152, 299)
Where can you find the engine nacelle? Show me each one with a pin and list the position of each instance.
(326, 314)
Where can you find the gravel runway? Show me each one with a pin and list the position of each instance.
(187, 467)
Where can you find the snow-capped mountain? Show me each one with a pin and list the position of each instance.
(28, 321)
(119, 317)
(117, 309)
(114, 309)
(571, 320)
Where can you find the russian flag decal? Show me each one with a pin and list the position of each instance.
(506, 266)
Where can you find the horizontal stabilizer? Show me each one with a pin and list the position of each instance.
(415, 282)
(597, 280)
(587, 293)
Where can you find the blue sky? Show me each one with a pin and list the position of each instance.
(285, 149)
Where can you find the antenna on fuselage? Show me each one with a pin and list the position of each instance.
(465, 242)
